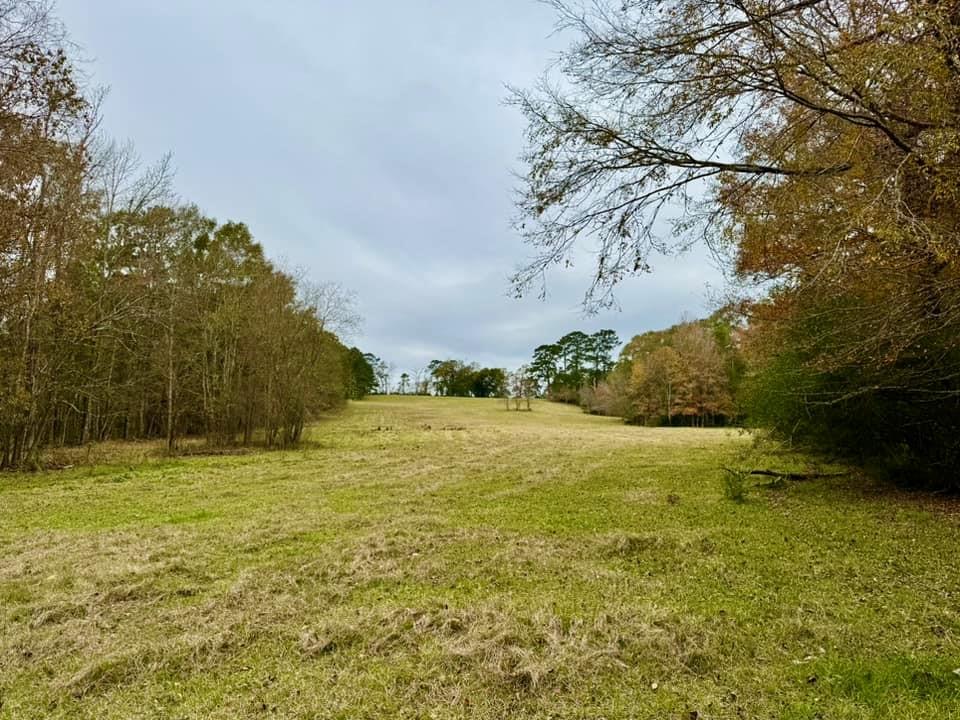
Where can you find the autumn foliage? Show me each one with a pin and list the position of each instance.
(124, 314)
(686, 375)
(816, 144)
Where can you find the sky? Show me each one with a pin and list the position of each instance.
(367, 144)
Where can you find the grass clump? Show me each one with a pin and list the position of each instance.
(735, 485)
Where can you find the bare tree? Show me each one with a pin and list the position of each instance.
(335, 307)
(521, 387)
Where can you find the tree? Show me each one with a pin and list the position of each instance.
(334, 306)
(680, 375)
(455, 378)
(610, 396)
(574, 350)
(46, 125)
(668, 100)
(653, 385)
(562, 369)
(561, 366)
(363, 380)
(121, 313)
(521, 387)
(815, 142)
(488, 382)
(599, 348)
(546, 364)
(421, 381)
(703, 392)
(404, 383)
(444, 375)
(383, 370)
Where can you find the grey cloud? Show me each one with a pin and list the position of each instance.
(366, 143)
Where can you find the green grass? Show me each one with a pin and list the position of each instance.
(434, 558)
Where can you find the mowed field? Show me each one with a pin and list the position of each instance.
(441, 558)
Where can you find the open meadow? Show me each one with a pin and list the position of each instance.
(445, 558)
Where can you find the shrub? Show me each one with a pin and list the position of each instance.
(735, 485)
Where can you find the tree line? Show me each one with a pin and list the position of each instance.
(564, 367)
(690, 374)
(814, 145)
(458, 378)
(126, 314)
(455, 378)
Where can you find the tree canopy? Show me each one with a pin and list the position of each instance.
(813, 142)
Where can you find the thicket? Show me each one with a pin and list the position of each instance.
(122, 313)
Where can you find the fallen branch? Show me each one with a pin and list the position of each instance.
(796, 476)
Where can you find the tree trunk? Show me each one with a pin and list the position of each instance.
(170, 413)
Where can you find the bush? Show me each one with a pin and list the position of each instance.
(881, 418)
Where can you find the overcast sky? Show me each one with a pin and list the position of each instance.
(367, 143)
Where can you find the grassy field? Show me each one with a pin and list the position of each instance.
(434, 558)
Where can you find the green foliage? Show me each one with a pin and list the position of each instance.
(874, 420)
(735, 485)
(455, 378)
(362, 377)
(562, 369)
(488, 382)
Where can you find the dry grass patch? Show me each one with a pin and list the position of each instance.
(509, 649)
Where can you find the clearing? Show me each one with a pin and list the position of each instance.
(441, 558)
